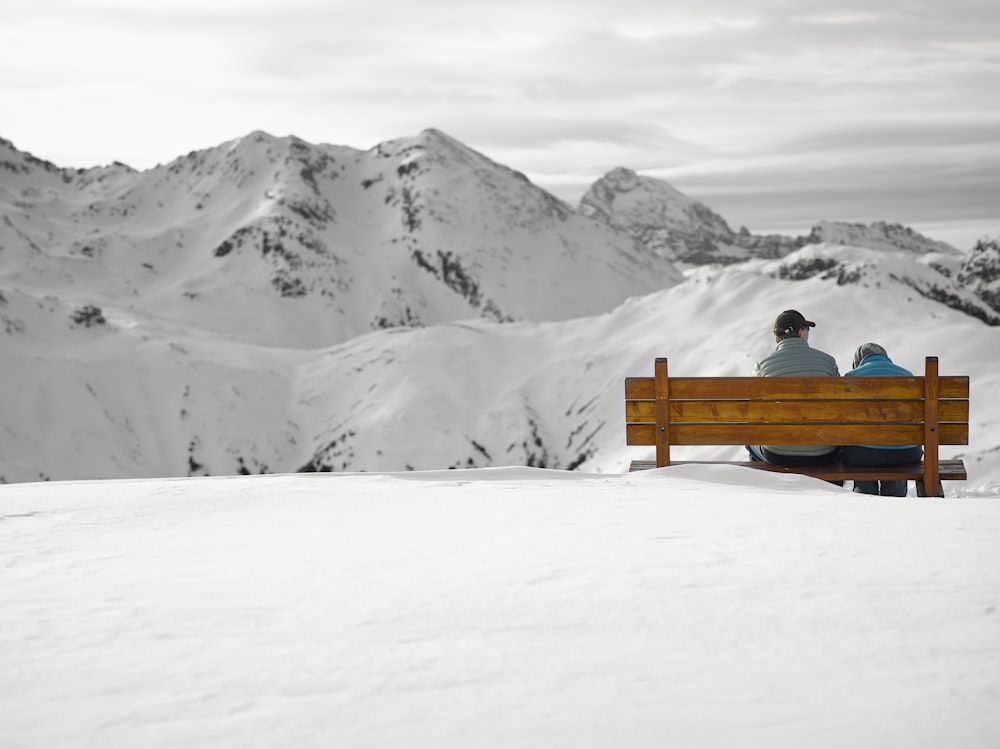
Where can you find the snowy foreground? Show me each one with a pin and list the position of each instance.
(508, 607)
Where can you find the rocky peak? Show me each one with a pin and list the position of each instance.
(879, 235)
(980, 272)
(618, 181)
(464, 185)
(623, 193)
(432, 136)
(432, 146)
(661, 218)
(18, 166)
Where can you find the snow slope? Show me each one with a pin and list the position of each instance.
(495, 608)
(136, 396)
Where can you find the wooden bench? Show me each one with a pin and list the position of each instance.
(929, 411)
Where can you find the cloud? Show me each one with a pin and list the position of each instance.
(727, 96)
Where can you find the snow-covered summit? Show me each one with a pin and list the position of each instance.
(669, 223)
(15, 162)
(662, 219)
(878, 235)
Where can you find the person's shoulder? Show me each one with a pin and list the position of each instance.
(885, 366)
(825, 354)
(829, 361)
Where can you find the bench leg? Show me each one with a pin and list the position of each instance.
(922, 490)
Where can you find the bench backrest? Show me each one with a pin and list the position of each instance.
(928, 411)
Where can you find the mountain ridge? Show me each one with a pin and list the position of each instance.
(413, 231)
(670, 224)
(268, 305)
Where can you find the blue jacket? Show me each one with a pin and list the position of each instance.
(880, 365)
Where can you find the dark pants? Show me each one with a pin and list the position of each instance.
(761, 454)
(880, 456)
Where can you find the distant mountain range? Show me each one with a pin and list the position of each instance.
(272, 305)
(285, 243)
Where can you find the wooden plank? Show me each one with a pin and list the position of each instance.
(797, 434)
(932, 434)
(949, 470)
(763, 388)
(661, 415)
(953, 387)
(873, 411)
(639, 388)
(796, 388)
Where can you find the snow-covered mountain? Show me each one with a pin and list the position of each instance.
(944, 278)
(878, 235)
(280, 242)
(668, 223)
(272, 306)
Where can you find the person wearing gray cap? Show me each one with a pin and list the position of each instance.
(794, 357)
(872, 360)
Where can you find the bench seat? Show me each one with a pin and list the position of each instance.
(948, 470)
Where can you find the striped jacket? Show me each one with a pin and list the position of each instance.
(794, 357)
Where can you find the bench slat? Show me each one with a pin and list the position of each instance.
(801, 388)
(950, 470)
(796, 434)
(871, 412)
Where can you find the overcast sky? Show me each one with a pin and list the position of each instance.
(777, 113)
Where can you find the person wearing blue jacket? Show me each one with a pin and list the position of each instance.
(872, 360)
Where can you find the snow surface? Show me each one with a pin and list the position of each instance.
(689, 606)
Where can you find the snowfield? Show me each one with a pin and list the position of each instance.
(690, 606)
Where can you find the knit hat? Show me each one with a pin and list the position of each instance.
(866, 350)
(789, 321)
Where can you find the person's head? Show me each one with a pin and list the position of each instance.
(791, 324)
(865, 350)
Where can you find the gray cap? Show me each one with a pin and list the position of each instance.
(865, 350)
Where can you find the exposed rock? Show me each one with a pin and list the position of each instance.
(981, 271)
